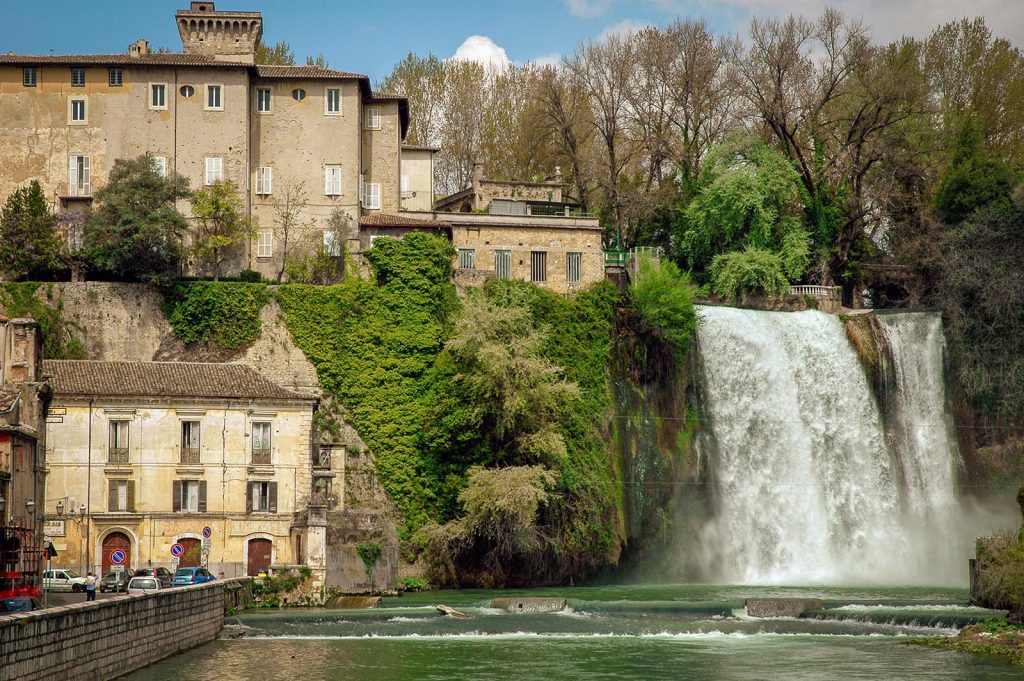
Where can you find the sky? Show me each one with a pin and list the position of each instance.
(370, 36)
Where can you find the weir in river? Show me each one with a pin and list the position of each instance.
(815, 477)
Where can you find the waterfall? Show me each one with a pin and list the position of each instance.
(811, 481)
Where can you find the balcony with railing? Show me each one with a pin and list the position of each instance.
(261, 457)
(189, 456)
(117, 455)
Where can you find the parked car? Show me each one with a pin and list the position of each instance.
(143, 585)
(115, 581)
(192, 575)
(161, 573)
(63, 580)
(19, 604)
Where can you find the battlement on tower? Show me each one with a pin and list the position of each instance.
(227, 36)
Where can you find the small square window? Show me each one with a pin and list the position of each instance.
(263, 100)
(115, 77)
(214, 102)
(157, 96)
(214, 169)
(29, 76)
(332, 101)
(78, 77)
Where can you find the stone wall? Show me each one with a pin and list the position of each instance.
(111, 637)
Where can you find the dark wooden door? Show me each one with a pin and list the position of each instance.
(193, 552)
(259, 556)
(112, 542)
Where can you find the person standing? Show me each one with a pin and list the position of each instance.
(90, 587)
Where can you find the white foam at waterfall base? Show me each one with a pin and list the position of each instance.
(806, 487)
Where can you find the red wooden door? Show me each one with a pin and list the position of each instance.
(112, 542)
(193, 552)
(259, 556)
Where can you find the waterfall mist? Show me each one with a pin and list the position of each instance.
(813, 478)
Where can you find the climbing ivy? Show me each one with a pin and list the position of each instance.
(224, 313)
(60, 340)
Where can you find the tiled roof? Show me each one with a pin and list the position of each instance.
(392, 220)
(419, 147)
(303, 72)
(7, 399)
(155, 59)
(162, 379)
(387, 96)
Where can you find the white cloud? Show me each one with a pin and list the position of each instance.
(553, 59)
(483, 50)
(624, 27)
(588, 8)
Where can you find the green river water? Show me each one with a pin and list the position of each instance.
(610, 632)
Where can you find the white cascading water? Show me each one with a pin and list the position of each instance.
(806, 486)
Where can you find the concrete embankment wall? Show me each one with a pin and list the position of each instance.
(107, 638)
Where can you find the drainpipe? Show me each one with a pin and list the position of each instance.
(88, 494)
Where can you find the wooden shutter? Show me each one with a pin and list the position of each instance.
(176, 496)
(328, 181)
(130, 506)
(273, 497)
(248, 498)
(86, 181)
(73, 176)
(268, 180)
(202, 496)
(111, 495)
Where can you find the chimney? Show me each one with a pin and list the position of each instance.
(140, 48)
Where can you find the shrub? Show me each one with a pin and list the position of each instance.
(250, 276)
(224, 313)
(664, 298)
(753, 269)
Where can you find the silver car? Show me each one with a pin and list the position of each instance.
(143, 585)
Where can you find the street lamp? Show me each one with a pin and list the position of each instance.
(30, 507)
(3, 505)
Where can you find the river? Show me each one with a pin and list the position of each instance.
(698, 632)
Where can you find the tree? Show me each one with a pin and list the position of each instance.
(134, 230)
(278, 54)
(748, 196)
(664, 298)
(221, 225)
(28, 240)
(319, 61)
(974, 178)
(563, 106)
(289, 205)
(421, 81)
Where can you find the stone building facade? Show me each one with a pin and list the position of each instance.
(158, 451)
(208, 114)
(23, 398)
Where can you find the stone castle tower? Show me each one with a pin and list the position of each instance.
(227, 36)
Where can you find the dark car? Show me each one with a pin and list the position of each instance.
(19, 604)
(192, 575)
(161, 573)
(115, 581)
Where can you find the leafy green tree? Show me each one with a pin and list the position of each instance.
(752, 269)
(663, 295)
(28, 240)
(134, 230)
(278, 54)
(221, 227)
(974, 178)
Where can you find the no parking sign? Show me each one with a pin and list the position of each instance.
(118, 557)
(177, 550)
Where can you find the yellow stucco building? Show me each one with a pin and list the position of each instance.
(145, 455)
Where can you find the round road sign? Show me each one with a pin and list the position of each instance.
(118, 557)
(177, 550)
(207, 531)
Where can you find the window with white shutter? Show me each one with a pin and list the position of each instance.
(214, 169)
(332, 180)
(79, 183)
(373, 195)
(265, 244)
(264, 180)
(405, 183)
(160, 165)
(373, 118)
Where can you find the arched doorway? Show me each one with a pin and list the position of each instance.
(260, 551)
(112, 542)
(193, 552)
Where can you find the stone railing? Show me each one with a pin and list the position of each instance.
(75, 641)
(830, 292)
